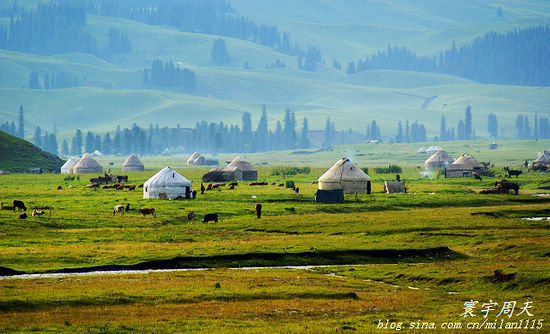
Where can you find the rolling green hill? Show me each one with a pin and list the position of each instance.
(113, 93)
(18, 155)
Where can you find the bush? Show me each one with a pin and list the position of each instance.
(290, 170)
(289, 184)
(365, 169)
(391, 169)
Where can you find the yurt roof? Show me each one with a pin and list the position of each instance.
(132, 161)
(70, 163)
(242, 164)
(544, 157)
(344, 170)
(167, 176)
(467, 161)
(193, 157)
(87, 162)
(422, 150)
(439, 156)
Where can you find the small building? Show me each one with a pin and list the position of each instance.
(543, 159)
(422, 150)
(464, 166)
(346, 176)
(493, 146)
(433, 149)
(238, 170)
(438, 160)
(133, 164)
(168, 182)
(67, 168)
(87, 165)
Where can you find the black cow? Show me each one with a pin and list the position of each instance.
(259, 210)
(515, 173)
(19, 205)
(210, 217)
(122, 178)
(202, 189)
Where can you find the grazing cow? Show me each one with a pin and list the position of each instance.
(210, 217)
(59, 188)
(191, 217)
(37, 213)
(215, 186)
(92, 185)
(273, 183)
(515, 173)
(43, 207)
(140, 186)
(19, 205)
(132, 187)
(118, 208)
(209, 187)
(281, 185)
(94, 180)
(253, 184)
(259, 210)
(102, 179)
(107, 187)
(147, 211)
(297, 190)
(231, 187)
(202, 189)
(122, 178)
(120, 187)
(234, 184)
(477, 176)
(22, 216)
(219, 184)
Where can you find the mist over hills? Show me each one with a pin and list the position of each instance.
(284, 55)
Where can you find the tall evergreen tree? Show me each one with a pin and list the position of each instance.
(468, 129)
(304, 139)
(443, 129)
(399, 136)
(492, 125)
(52, 143)
(278, 136)
(219, 54)
(34, 82)
(407, 132)
(89, 142)
(76, 145)
(247, 131)
(21, 128)
(460, 130)
(261, 132)
(64, 147)
(328, 133)
(97, 143)
(37, 137)
(107, 144)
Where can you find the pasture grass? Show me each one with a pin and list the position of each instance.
(482, 233)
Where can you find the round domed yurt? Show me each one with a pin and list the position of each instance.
(346, 176)
(132, 164)
(193, 158)
(67, 168)
(248, 172)
(169, 182)
(87, 165)
(438, 160)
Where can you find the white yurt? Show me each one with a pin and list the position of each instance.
(193, 158)
(346, 176)
(169, 182)
(438, 160)
(422, 149)
(67, 168)
(132, 164)
(87, 165)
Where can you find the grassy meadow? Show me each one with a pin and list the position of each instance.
(405, 258)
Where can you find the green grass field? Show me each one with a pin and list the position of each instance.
(415, 257)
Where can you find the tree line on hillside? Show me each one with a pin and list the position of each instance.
(168, 74)
(214, 17)
(52, 80)
(56, 27)
(519, 57)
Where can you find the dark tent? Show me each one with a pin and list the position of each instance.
(329, 196)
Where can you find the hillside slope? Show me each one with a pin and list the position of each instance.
(17, 154)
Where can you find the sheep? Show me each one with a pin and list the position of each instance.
(118, 208)
(37, 213)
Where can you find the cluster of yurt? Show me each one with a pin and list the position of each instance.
(196, 159)
(342, 178)
(239, 170)
(167, 184)
(67, 168)
(132, 164)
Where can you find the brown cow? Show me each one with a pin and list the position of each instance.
(191, 217)
(231, 187)
(132, 187)
(147, 211)
(209, 187)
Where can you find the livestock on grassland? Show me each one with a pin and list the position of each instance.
(118, 208)
(37, 213)
(259, 210)
(22, 216)
(147, 211)
(191, 217)
(210, 217)
(19, 205)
